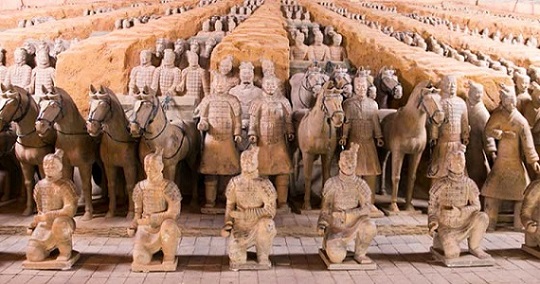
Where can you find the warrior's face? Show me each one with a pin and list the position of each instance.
(509, 102)
(20, 56)
(145, 58)
(360, 88)
(52, 168)
(347, 165)
(456, 164)
(270, 86)
(450, 86)
(225, 67)
(154, 169)
(246, 76)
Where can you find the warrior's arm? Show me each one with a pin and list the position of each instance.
(27, 78)
(254, 118)
(527, 144)
(182, 85)
(176, 81)
(231, 202)
(173, 199)
(364, 200)
(310, 54)
(137, 203)
(37, 198)
(288, 116)
(465, 128)
(69, 199)
(376, 125)
(474, 200)
(327, 56)
(237, 112)
(7, 80)
(205, 82)
(269, 207)
(325, 218)
(155, 80)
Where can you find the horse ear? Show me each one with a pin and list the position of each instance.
(102, 89)
(2, 88)
(136, 90)
(92, 89)
(44, 89)
(146, 90)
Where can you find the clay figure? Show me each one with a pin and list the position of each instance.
(299, 51)
(337, 52)
(43, 76)
(180, 48)
(142, 75)
(19, 74)
(530, 217)
(523, 83)
(318, 51)
(157, 208)
(224, 71)
(251, 207)
(508, 179)
(166, 77)
(344, 216)
(194, 79)
(3, 68)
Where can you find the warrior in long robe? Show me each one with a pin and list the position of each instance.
(142, 75)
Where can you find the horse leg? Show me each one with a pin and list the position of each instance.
(326, 160)
(86, 179)
(130, 173)
(414, 161)
(111, 172)
(28, 174)
(397, 163)
(308, 169)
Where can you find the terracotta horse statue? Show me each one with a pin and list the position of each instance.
(18, 106)
(180, 140)
(118, 150)
(316, 134)
(405, 133)
(388, 87)
(304, 87)
(58, 111)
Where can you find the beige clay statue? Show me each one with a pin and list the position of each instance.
(337, 52)
(508, 179)
(270, 127)
(167, 76)
(318, 51)
(157, 207)
(453, 132)
(54, 225)
(454, 214)
(142, 75)
(530, 216)
(523, 83)
(344, 217)
(251, 207)
(43, 76)
(225, 71)
(299, 51)
(220, 120)
(194, 79)
(19, 74)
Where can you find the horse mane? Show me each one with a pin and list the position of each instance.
(114, 98)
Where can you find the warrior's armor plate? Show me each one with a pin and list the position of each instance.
(19, 76)
(43, 77)
(141, 76)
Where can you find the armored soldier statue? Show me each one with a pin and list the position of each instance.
(246, 92)
(142, 75)
(530, 215)
(477, 150)
(167, 76)
(19, 74)
(225, 71)
(523, 83)
(56, 202)
(157, 56)
(220, 117)
(157, 207)
(43, 76)
(454, 211)
(453, 132)
(194, 79)
(362, 128)
(318, 51)
(299, 51)
(345, 212)
(251, 207)
(508, 179)
(337, 52)
(270, 127)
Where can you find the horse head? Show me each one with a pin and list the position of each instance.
(12, 107)
(390, 83)
(51, 110)
(330, 102)
(145, 110)
(100, 110)
(430, 103)
(314, 79)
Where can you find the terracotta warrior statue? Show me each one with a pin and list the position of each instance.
(523, 83)
(251, 207)
(269, 70)
(142, 75)
(299, 51)
(3, 68)
(508, 179)
(180, 48)
(157, 207)
(479, 144)
(346, 204)
(530, 215)
(362, 128)
(19, 74)
(531, 112)
(56, 202)
(454, 210)
(318, 51)
(43, 75)
(224, 71)
(453, 132)
(337, 52)
(194, 79)
(167, 76)
(157, 56)
(270, 127)
(246, 92)
(205, 29)
(221, 120)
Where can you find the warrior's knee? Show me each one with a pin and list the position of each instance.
(141, 255)
(267, 226)
(169, 229)
(35, 251)
(369, 228)
(61, 227)
(336, 251)
(481, 219)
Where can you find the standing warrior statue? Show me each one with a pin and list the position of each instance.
(318, 51)
(167, 76)
(270, 126)
(523, 83)
(194, 81)
(19, 74)
(251, 207)
(299, 51)
(157, 207)
(43, 75)
(220, 117)
(142, 75)
(225, 71)
(362, 128)
(246, 92)
(345, 212)
(454, 211)
(508, 179)
(453, 132)
(54, 225)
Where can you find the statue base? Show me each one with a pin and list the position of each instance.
(535, 251)
(216, 210)
(389, 212)
(349, 263)
(464, 260)
(249, 265)
(155, 265)
(51, 263)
